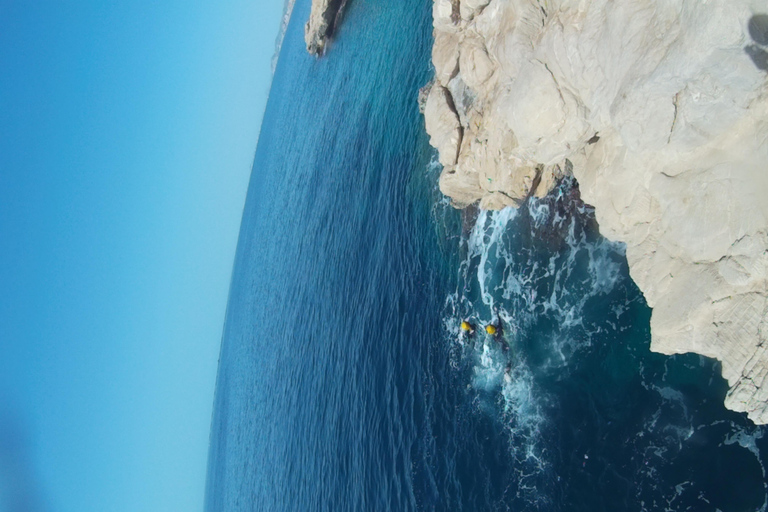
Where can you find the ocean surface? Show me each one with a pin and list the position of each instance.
(345, 381)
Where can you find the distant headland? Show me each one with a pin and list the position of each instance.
(323, 20)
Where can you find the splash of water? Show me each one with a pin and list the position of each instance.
(522, 268)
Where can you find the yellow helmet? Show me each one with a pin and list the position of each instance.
(465, 326)
(490, 329)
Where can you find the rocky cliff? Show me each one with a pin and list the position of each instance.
(660, 109)
(323, 20)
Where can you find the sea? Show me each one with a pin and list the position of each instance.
(345, 380)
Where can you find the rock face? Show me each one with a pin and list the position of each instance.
(323, 19)
(443, 124)
(661, 109)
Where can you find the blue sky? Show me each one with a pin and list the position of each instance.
(127, 131)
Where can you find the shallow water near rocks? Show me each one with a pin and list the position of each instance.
(344, 380)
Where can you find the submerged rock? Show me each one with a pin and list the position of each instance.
(677, 93)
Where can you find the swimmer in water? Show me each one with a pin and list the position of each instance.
(468, 332)
(495, 330)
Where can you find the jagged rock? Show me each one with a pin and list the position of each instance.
(463, 100)
(470, 8)
(445, 14)
(423, 95)
(676, 91)
(323, 18)
(442, 124)
(461, 186)
(497, 201)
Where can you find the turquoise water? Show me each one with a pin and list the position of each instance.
(344, 381)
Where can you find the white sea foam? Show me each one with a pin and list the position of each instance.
(522, 266)
(748, 439)
(489, 370)
(484, 238)
(520, 400)
(539, 212)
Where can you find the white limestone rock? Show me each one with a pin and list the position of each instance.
(442, 124)
(445, 55)
(470, 8)
(445, 14)
(323, 17)
(476, 66)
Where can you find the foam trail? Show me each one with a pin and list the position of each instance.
(485, 237)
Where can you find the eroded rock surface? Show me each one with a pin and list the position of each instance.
(323, 18)
(443, 124)
(661, 109)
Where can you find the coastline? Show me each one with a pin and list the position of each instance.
(324, 19)
(373, 393)
(665, 141)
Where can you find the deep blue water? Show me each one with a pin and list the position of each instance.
(344, 381)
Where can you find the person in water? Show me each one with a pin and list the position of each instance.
(495, 330)
(468, 332)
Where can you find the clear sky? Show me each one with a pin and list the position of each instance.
(127, 131)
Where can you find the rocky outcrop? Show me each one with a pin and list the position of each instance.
(661, 109)
(323, 20)
(443, 124)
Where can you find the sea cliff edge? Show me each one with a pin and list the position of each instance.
(324, 17)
